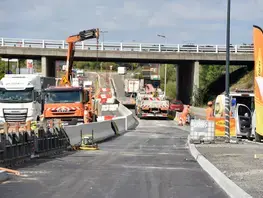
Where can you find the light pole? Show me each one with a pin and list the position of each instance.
(165, 66)
(103, 32)
(227, 102)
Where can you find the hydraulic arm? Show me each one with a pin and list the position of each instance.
(71, 40)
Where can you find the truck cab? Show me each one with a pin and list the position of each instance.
(66, 103)
(21, 97)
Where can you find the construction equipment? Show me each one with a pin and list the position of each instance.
(151, 103)
(86, 142)
(71, 104)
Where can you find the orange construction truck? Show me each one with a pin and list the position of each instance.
(64, 101)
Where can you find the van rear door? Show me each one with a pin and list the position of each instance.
(243, 117)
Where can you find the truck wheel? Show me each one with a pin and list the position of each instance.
(257, 137)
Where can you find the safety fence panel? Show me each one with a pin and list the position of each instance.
(19, 143)
(202, 131)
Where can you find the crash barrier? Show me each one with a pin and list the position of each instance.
(22, 141)
(106, 117)
(131, 120)
(113, 87)
(177, 116)
(210, 130)
(109, 107)
(104, 129)
(106, 96)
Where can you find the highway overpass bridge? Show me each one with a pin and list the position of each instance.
(187, 57)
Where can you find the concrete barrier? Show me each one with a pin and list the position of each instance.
(104, 129)
(101, 130)
(131, 120)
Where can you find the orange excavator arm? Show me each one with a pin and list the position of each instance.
(71, 40)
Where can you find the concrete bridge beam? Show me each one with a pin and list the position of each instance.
(48, 67)
(187, 79)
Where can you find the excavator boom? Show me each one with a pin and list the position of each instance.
(71, 40)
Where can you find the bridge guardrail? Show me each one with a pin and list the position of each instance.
(114, 46)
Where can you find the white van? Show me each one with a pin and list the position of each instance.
(241, 107)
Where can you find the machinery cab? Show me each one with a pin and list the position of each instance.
(66, 103)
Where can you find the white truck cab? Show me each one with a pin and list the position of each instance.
(21, 97)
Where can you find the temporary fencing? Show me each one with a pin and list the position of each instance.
(21, 141)
(210, 130)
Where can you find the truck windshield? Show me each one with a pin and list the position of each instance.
(16, 96)
(63, 97)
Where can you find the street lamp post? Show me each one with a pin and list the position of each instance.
(103, 32)
(227, 102)
(165, 66)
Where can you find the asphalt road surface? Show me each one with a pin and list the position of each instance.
(150, 162)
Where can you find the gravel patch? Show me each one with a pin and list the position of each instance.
(238, 163)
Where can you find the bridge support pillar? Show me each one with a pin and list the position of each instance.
(48, 67)
(187, 80)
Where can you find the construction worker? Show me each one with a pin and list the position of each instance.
(183, 117)
(86, 115)
(209, 111)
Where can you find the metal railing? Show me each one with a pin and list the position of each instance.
(137, 47)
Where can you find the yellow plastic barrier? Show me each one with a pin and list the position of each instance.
(220, 127)
(177, 116)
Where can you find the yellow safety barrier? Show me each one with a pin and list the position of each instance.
(220, 127)
(177, 116)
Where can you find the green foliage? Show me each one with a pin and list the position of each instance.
(171, 80)
(2, 69)
(171, 89)
(209, 73)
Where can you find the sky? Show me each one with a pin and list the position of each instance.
(181, 21)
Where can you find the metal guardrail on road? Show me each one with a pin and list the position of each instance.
(137, 47)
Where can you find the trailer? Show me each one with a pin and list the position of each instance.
(131, 87)
(122, 70)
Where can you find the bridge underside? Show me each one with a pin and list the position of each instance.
(187, 69)
(187, 78)
(48, 66)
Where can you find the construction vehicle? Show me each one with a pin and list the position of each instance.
(122, 70)
(67, 102)
(131, 87)
(151, 103)
(21, 96)
(241, 108)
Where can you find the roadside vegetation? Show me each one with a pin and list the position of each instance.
(212, 82)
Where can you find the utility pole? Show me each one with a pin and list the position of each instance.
(103, 32)
(227, 102)
(165, 66)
